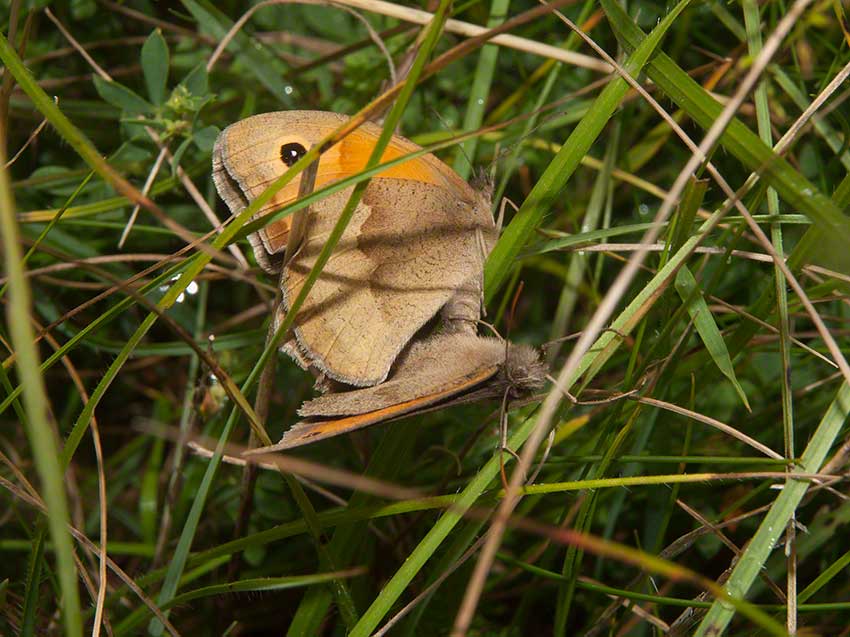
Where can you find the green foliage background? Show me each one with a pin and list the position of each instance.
(709, 382)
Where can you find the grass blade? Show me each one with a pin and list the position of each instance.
(739, 140)
(544, 196)
(776, 520)
(689, 292)
(40, 433)
(479, 93)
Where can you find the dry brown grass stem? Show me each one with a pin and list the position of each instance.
(466, 29)
(607, 306)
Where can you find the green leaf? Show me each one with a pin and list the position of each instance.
(686, 212)
(707, 329)
(120, 96)
(254, 56)
(197, 81)
(178, 154)
(155, 66)
(83, 9)
(205, 138)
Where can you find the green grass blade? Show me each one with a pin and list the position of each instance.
(427, 547)
(39, 431)
(689, 292)
(184, 544)
(33, 584)
(739, 140)
(260, 584)
(106, 204)
(479, 92)
(393, 450)
(546, 192)
(579, 262)
(776, 520)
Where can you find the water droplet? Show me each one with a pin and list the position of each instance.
(480, 101)
(288, 90)
(643, 210)
(165, 286)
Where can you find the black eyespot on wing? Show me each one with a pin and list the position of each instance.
(291, 153)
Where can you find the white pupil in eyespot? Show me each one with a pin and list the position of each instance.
(291, 153)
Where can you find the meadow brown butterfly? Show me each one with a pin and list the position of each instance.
(435, 372)
(415, 246)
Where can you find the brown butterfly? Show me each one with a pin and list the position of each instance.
(415, 247)
(442, 370)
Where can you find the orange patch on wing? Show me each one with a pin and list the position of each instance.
(348, 158)
(308, 432)
(355, 150)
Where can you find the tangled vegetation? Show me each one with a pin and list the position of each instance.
(674, 183)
